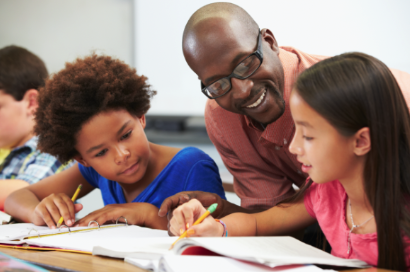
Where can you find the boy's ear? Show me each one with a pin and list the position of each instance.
(143, 121)
(80, 160)
(362, 141)
(31, 98)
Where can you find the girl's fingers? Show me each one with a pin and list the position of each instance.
(70, 206)
(45, 215)
(77, 207)
(63, 211)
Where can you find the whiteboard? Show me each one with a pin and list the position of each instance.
(378, 28)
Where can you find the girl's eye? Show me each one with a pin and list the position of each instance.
(307, 138)
(101, 153)
(125, 136)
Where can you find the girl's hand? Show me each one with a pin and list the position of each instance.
(184, 217)
(51, 208)
(141, 214)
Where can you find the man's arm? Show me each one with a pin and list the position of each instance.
(207, 199)
(8, 186)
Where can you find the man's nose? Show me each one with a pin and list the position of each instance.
(241, 87)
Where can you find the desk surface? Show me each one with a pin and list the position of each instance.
(72, 261)
(85, 262)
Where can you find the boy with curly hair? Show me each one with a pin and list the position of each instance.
(93, 111)
(21, 75)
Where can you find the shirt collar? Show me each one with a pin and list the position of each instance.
(30, 144)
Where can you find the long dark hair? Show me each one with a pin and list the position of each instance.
(352, 91)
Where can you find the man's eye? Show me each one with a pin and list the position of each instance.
(125, 136)
(101, 153)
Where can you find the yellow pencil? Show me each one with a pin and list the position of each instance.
(210, 210)
(72, 199)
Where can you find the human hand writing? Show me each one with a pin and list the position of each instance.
(52, 208)
(206, 199)
(184, 217)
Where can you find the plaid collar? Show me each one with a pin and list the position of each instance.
(30, 144)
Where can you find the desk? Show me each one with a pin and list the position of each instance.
(72, 261)
(85, 262)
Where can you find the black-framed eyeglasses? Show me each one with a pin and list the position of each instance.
(243, 70)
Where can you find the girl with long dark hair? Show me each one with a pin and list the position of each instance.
(353, 139)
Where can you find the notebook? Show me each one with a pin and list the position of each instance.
(269, 251)
(80, 239)
(178, 263)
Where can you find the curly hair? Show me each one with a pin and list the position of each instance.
(80, 91)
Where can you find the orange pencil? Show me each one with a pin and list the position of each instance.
(210, 210)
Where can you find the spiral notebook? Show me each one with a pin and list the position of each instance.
(79, 239)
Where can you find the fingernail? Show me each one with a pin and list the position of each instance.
(53, 227)
(186, 197)
(187, 225)
(181, 231)
(191, 231)
(69, 222)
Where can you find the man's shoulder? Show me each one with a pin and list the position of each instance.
(215, 113)
(304, 59)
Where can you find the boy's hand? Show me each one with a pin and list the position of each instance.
(184, 217)
(51, 208)
(141, 214)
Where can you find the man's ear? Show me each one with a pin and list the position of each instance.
(143, 121)
(362, 143)
(31, 99)
(268, 36)
(80, 160)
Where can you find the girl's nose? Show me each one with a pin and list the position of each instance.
(122, 154)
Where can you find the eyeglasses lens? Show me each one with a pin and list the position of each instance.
(244, 69)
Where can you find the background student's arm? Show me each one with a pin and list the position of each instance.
(45, 202)
(275, 221)
(7, 186)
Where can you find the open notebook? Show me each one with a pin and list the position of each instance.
(79, 239)
(269, 251)
(178, 263)
(122, 241)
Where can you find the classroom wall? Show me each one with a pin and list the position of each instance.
(147, 34)
(61, 31)
(376, 27)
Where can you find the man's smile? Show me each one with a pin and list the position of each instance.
(258, 101)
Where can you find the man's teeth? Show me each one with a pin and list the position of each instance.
(257, 101)
(307, 165)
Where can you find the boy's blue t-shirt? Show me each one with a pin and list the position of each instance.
(189, 170)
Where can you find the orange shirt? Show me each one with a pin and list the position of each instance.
(260, 161)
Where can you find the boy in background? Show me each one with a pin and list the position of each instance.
(21, 75)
